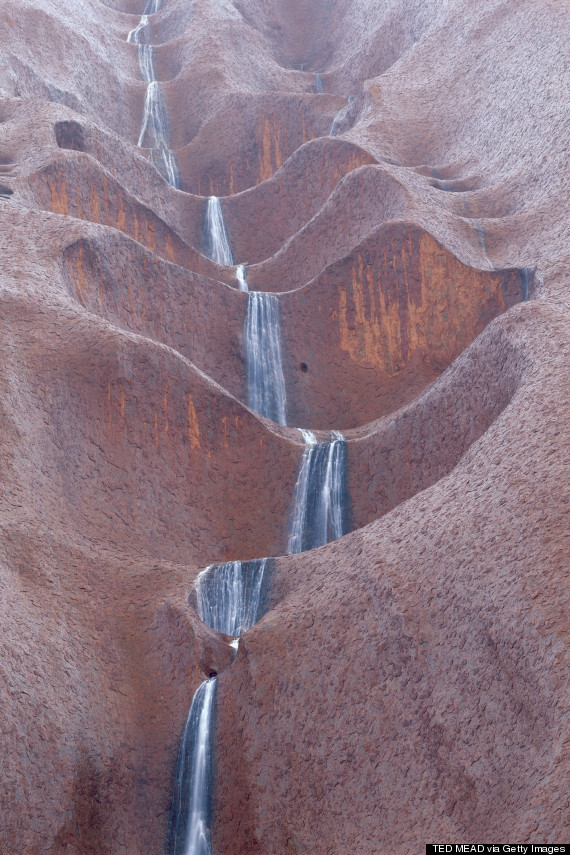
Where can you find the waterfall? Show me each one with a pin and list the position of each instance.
(230, 600)
(300, 494)
(336, 120)
(134, 36)
(319, 84)
(154, 134)
(146, 63)
(319, 499)
(481, 233)
(342, 113)
(526, 276)
(154, 129)
(218, 245)
(229, 595)
(262, 332)
(265, 379)
(154, 115)
(191, 805)
(240, 276)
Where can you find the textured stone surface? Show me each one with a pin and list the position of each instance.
(409, 681)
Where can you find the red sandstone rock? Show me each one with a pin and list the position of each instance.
(409, 681)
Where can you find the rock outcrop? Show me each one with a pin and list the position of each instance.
(409, 681)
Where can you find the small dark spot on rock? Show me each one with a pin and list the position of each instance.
(70, 135)
(304, 367)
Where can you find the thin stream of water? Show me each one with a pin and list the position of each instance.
(229, 598)
(240, 276)
(265, 379)
(217, 241)
(154, 131)
(192, 799)
(319, 500)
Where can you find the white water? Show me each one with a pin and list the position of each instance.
(337, 120)
(230, 599)
(154, 129)
(481, 233)
(340, 116)
(229, 595)
(333, 491)
(152, 120)
(262, 329)
(300, 494)
(319, 84)
(265, 379)
(136, 36)
(240, 276)
(146, 63)
(193, 786)
(319, 496)
(154, 134)
(218, 245)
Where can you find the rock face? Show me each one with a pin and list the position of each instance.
(409, 681)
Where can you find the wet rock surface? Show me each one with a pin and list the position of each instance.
(409, 680)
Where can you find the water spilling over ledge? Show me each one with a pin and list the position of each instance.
(340, 116)
(262, 330)
(241, 278)
(215, 234)
(230, 595)
(265, 379)
(192, 800)
(320, 501)
(230, 599)
(138, 35)
(154, 131)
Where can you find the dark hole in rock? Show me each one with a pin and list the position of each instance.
(70, 135)
(213, 674)
(304, 367)
(5, 191)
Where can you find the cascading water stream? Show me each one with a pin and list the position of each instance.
(319, 500)
(192, 802)
(154, 129)
(342, 113)
(146, 63)
(240, 276)
(217, 242)
(135, 36)
(230, 600)
(230, 595)
(265, 379)
(262, 331)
